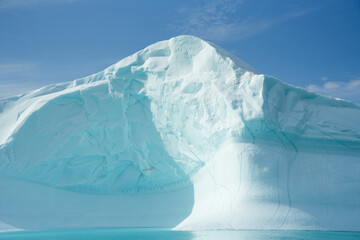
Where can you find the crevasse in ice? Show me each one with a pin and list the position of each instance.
(180, 134)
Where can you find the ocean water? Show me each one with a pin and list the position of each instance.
(164, 234)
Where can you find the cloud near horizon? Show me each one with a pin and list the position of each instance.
(344, 90)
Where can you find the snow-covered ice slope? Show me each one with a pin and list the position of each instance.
(181, 134)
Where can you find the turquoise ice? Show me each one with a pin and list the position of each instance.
(181, 134)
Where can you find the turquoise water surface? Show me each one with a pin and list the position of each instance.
(164, 234)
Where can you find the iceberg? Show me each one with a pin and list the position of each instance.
(181, 134)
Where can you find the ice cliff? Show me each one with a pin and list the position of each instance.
(181, 134)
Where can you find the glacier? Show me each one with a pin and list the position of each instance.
(181, 134)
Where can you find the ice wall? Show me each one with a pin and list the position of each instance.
(180, 134)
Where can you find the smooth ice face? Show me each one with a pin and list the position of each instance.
(181, 134)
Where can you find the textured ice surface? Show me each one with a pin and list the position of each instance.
(180, 134)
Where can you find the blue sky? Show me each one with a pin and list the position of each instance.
(314, 44)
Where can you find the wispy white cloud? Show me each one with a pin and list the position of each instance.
(324, 78)
(9, 68)
(345, 90)
(22, 39)
(15, 78)
(14, 89)
(216, 20)
(10, 4)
